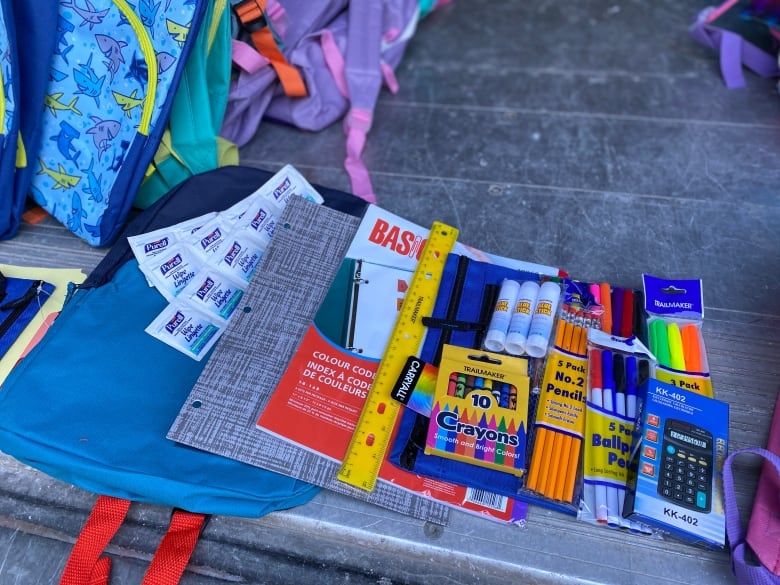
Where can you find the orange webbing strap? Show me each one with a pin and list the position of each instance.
(175, 549)
(85, 566)
(251, 13)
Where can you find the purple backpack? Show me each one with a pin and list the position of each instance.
(310, 63)
(744, 35)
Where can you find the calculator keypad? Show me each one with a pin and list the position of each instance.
(685, 478)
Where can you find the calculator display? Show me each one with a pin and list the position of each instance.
(686, 466)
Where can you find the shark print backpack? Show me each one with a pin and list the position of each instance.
(112, 79)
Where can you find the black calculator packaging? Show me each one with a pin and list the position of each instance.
(674, 482)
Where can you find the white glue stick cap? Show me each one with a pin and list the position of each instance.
(522, 313)
(499, 322)
(542, 320)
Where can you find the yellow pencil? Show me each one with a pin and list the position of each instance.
(536, 459)
(554, 465)
(563, 467)
(571, 474)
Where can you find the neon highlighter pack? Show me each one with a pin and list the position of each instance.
(677, 455)
(675, 310)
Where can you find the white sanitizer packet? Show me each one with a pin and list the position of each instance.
(171, 272)
(186, 329)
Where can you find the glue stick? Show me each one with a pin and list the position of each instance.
(521, 318)
(502, 314)
(542, 320)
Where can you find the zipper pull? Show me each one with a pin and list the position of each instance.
(32, 292)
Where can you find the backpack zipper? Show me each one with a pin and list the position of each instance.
(2, 102)
(151, 64)
(18, 306)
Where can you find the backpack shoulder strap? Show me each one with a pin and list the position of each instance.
(364, 80)
(747, 573)
(252, 14)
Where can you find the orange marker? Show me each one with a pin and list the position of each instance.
(606, 303)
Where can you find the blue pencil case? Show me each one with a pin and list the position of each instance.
(466, 298)
(20, 301)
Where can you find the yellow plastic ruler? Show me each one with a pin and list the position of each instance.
(372, 434)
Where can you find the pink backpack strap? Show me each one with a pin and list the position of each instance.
(364, 80)
(246, 58)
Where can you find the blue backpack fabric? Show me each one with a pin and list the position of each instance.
(9, 117)
(112, 80)
(37, 20)
(105, 422)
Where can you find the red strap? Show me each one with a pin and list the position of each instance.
(290, 78)
(85, 565)
(175, 550)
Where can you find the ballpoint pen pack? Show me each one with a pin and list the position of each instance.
(480, 410)
(616, 368)
(675, 312)
(677, 452)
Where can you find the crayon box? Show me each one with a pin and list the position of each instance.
(674, 482)
(480, 409)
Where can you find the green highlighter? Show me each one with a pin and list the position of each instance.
(659, 342)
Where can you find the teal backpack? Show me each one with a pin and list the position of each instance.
(191, 143)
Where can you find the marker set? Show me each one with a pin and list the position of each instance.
(621, 310)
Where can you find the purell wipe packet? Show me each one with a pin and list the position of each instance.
(286, 183)
(240, 255)
(150, 244)
(187, 329)
(209, 237)
(261, 218)
(213, 292)
(147, 246)
(170, 272)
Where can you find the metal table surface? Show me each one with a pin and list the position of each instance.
(596, 136)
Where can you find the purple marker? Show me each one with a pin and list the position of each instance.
(617, 310)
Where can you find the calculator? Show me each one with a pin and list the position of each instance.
(686, 465)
